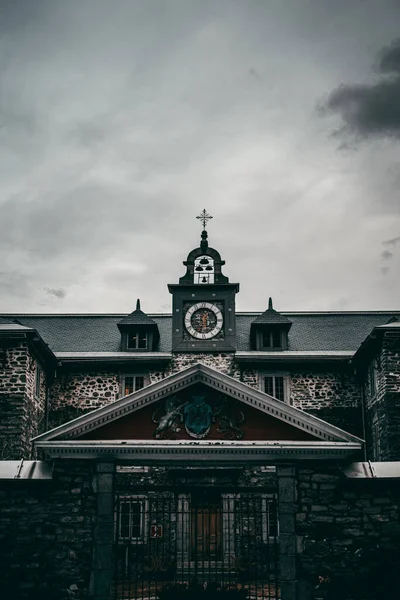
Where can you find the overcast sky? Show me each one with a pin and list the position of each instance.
(120, 120)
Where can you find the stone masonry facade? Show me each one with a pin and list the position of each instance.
(46, 534)
(348, 536)
(22, 401)
(333, 394)
(382, 399)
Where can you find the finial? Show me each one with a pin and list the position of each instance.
(204, 217)
(204, 242)
(138, 304)
(270, 307)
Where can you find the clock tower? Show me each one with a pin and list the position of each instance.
(203, 302)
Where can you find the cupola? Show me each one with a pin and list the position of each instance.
(203, 305)
(269, 331)
(203, 265)
(139, 332)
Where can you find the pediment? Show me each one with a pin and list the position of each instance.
(202, 413)
(198, 403)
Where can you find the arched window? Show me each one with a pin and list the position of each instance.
(204, 269)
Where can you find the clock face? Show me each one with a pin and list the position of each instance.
(203, 320)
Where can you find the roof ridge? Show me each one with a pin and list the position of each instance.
(238, 313)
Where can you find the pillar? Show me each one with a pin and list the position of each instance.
(287, 534)
(103, 566)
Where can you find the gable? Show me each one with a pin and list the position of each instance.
(221, 384)
(198, 412)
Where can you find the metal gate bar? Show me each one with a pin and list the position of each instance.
(202, 540)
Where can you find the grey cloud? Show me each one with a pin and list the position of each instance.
(56, 292)
(371, 109)
(392, 242)
(390, 58)
(368, 109)
(386, 255)
(119, 123)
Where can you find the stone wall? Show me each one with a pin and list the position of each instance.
(220, 362)
(22, 412)
(383, 406)
(348, 536)
(74, 393)
(332, 395)
(46, 534)
(317, 388)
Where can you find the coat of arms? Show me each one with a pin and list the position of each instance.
(197, 416)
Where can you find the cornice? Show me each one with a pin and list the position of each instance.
(294, 356)
(184, 451)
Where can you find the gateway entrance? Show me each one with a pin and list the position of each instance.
(196, 537)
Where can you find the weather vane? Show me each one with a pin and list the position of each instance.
(204, 217)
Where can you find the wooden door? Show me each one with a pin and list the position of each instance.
(206, 532)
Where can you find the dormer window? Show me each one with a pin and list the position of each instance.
(139, 333)
(136, 340)
(269, 331)
(271, 339)
(204, 270)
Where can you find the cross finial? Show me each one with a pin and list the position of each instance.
(204, 217)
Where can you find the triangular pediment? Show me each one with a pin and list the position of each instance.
(203, 404)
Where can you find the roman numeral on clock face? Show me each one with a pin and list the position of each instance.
(203, 320)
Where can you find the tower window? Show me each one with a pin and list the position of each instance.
(136, 340)
(37, 381)
(204, 270)
(372, 375)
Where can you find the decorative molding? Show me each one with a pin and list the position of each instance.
(184, 451)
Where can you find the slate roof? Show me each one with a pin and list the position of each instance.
(272, 317)
(137, 317)
(310, 331)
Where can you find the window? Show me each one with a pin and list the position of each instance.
(132, 383)
(257, 514)
(274, 385)
(130, 518)
(270, 518)
(203, 270)
(37, 381)
(373, 387)
(376, 443)
(271, 338)
(136, 340)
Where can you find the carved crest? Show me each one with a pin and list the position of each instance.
(197, 415)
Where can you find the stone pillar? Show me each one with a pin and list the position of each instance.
(103, 548)
(287, 534)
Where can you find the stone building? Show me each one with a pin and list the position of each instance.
(204, 444)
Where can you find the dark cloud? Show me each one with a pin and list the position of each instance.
(371, 109)
(386, 255)
(56, 292)
(390, 58)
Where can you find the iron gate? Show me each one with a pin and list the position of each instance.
(201, 540)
